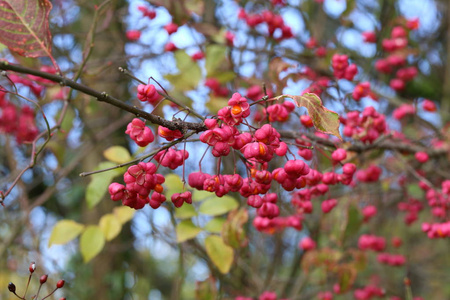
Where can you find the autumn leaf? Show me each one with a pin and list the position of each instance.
(324, 120)
(24, 27)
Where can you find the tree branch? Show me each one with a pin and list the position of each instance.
(176, 124)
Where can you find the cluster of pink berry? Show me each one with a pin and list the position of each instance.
(366, 126)
(307, 244)
(147, 12)
(171, 158)
(256, 92)
(279, 112)
(341, 67)
(371, 174)
(412, 207)
(139, 133)
(371, 242)
(278, 223)
(318, 85)
(394, 260)
(319, 51)
(437, 230)
(396, 59)
(264, 296)
(436, 198)
(361, 90)
(403, 110)
(133, 34)
(274, 23)
(368, 292)
(216, 88)
(140, 180)
(319, 185)
(21, 123)
(148, 93)
(369, 212)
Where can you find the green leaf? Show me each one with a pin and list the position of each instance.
(224, 77)
(214, 58)
(216, 103)
(189, 72)
(233, 231)
(206, 290)
(185, 212)
(91, 242)
(117, 154)
(415, 191)
(220, 253)
(324, 120)
(173, 185)
(198, 196)
(110, 226)
(64, 231)
(24, 27)
(99, 184)
(354, 221)
(124, 213)
(186, 230)
(218, 206)
(215, 225)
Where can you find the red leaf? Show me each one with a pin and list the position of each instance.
(324, 120)
(24, 27)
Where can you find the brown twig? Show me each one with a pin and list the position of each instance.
(104, 97)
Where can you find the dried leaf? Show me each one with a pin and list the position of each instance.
(24, 27)
(324, 120)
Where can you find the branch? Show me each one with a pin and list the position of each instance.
(382, 143)
(176, 124)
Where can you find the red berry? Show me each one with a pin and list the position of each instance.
(60, 284)
(133, 35)
(170, 47)
(421, 157)
(369, 37)
(306, 121)
(307, 244)
(43, 279)
(32, 267)
(429, 105)
(171, 28)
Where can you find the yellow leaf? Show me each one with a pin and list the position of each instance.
(220, 253)
(91, 242)
(186, 230)
(218, 205)
(117, 154)
(124, 213)
(110, 226)
(64, 231)
(173, 185)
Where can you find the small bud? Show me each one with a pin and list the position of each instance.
(32, 267)
(12, 287)
(62, 298)
(43, 279)
(60, 284)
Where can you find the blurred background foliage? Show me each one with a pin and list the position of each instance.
(144, 261)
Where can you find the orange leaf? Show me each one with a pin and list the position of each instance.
(324, 120)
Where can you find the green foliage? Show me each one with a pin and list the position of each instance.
(98, 186)
(218, 205)
(64, 231)
(186, 230)
(220, 253)
(92, 242)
